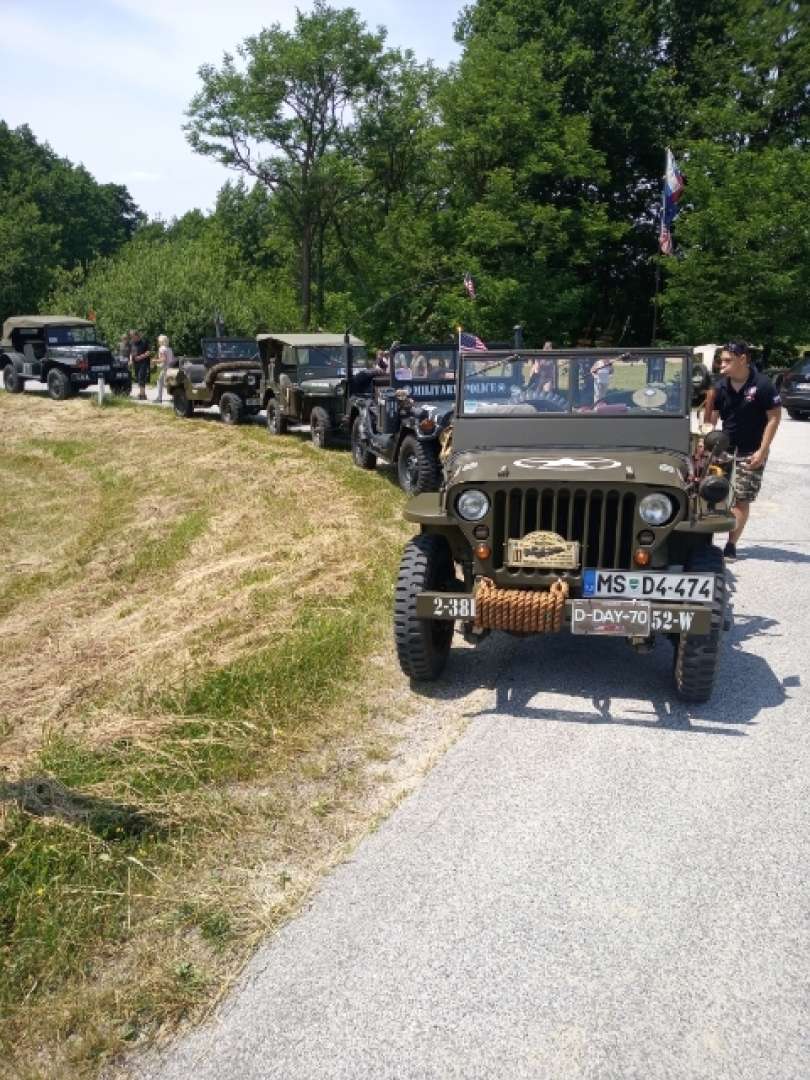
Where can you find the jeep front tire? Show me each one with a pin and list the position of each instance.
(423, 645)
(231, 408)
(361, 455)
(697, 656)
(182, 406)
(58, 385)
(276, 423)
(418, 467)
(320, 427)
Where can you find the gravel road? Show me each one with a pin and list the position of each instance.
(595, 882)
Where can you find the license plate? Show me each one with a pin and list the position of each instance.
(802, 386)
(100, 370)
(627, 618)
(445, 606)
(252, 402)
(632, 585)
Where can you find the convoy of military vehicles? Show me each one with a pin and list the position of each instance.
(553, 490)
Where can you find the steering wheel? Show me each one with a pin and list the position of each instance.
(545, 401)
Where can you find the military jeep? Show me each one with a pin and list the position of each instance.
(307, 380)
(61, 351)
(227, 374)
(404, 423)
(576, 499)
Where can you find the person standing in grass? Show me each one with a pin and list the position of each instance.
(165, 361)
(750, 408)
(139, 352)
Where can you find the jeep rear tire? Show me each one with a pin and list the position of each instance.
(276, 423)
(418, 467)
(361, 455)
(231, 408)
(12, 381)
(181, 405)
(320, 427)
(58, 385)
(794, 415)
(423, 645)
(697, 656)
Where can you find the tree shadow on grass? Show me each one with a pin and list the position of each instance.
(43, 796)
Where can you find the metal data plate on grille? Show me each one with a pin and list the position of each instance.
(626, 618)
(541, 550)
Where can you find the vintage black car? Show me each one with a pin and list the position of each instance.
(61, 351)
(306, 380)
(576, 498)
(227, 374)
(406, 420)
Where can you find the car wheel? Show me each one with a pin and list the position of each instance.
(796, 415)
(422, 645)
(12, 381)
(361, 455)
(320, 427)
(276, 423)
(182, 406)
(418, 467)
(697, 656)
(230, 408)
(122, 390)
(58, 385)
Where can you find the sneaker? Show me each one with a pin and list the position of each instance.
(730, 551)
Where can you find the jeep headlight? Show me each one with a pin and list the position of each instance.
(472, 505)
(655, 509)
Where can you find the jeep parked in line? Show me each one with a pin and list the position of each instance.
(61, 351)
(227, 374)
(576, 499)
(308, 379)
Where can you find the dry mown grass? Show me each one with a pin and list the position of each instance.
(200, 711)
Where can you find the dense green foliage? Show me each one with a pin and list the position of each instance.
(53, 216)
(534, 163)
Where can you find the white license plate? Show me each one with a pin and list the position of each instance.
(802, 386)
(627, 618)
(103, 370)
(252, 402)
(635, 585)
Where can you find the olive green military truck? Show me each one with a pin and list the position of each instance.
(576, 500)
(62, 351)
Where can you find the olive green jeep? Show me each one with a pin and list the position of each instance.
(576, 499)
(226, 374)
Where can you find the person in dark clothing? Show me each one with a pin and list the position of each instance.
(139, 355)
(750, 409)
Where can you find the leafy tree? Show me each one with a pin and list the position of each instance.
(287, 118)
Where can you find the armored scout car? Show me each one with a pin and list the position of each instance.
(406, 420)
(227, 374)
(61, 351)
(306, 380)
(576, 499)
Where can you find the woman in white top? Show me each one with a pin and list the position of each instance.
(165, 361)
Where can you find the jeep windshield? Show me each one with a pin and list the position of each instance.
(428, 363)
(216, 350)
(71, 335)
(593, 383)
(321, 356)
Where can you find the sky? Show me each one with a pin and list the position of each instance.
(107, 82)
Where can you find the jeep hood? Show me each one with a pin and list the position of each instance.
(627, 465)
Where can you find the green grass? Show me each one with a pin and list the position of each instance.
(159, 555)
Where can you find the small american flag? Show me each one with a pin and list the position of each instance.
(470, 341)
(469, 285)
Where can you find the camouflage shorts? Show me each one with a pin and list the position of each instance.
(747, 481)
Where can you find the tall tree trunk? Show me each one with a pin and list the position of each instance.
(306, 275)
(320, 272)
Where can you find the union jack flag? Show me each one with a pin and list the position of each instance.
(470, 341)
(469, 285)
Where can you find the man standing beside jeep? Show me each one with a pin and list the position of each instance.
(139, 352)
(750, 408)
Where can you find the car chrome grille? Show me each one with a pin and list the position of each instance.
(602, 520)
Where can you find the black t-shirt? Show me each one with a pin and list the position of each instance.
(744, 411)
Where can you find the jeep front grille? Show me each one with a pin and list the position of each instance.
(601, 520)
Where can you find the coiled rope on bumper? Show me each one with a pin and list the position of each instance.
(524, 610)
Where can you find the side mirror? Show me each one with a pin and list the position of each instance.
(716, 442)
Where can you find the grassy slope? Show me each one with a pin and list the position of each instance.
(187, 614)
